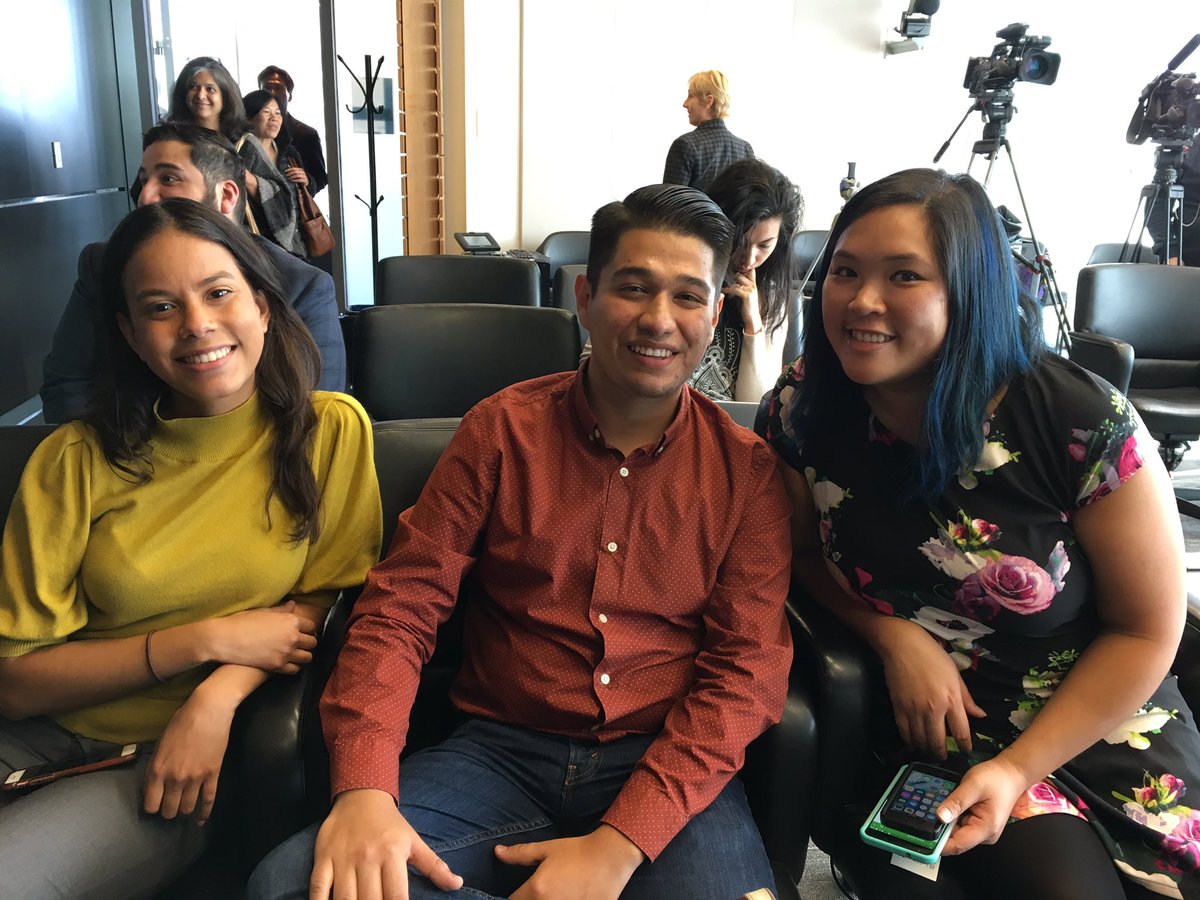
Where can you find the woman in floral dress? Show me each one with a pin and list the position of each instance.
(996, 524)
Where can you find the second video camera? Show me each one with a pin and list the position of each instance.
(1019, 57)
(1168, 111)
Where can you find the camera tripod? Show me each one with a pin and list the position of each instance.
(1168, 159)
(997, 110)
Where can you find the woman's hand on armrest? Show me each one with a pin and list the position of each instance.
(276, 639)
(182, 777)
(929, 697)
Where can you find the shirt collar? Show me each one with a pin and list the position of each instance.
(590, 428)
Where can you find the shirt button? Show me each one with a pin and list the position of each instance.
(612, 546)
(604, 679)
(624, 472)
(603, 618)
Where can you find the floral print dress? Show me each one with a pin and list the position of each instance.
(993, 571)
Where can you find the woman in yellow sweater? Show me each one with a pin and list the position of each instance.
(167, 554)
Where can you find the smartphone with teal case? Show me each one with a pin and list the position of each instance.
(905, 821)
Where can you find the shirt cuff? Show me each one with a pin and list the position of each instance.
(645, 815)
(366, 761)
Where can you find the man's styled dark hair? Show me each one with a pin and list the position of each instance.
(660, 207)
(232, 117)
(283, 76)
(212, 154)
(126, 390)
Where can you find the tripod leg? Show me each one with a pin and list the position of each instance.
(1049, 282)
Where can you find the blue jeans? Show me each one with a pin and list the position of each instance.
(490, 784)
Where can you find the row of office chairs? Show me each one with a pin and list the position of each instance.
(464, 278)
(437, 360)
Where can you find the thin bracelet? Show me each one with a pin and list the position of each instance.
(751, 333)
(149, 662)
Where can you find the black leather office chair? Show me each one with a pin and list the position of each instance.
(17, 442)
(1111, 253)
(289, 787)
(562, 296)
(565, 248)
(1155, 311)
(440, 359)
(459, 279)
(806, 251)
(741, 411)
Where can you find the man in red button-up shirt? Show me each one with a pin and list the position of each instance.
(625, 550)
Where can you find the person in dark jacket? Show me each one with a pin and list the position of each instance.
(182, 160)
(695, 158)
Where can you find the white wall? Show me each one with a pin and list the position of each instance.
(601, 86)
(491, 127)
(361, 28)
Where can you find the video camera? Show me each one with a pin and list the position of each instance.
(1019, 57)
(1168, 111)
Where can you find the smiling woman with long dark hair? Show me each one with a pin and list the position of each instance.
(170, 552)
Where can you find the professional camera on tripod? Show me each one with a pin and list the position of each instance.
(1019, 56)
(1168, 114)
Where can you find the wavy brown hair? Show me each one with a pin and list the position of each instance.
(126, 390)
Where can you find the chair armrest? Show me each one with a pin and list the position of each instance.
(276, 766)
(780, 779)
(838, 665)
(1108, 357)
(1187, 659)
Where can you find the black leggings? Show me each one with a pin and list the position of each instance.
(1048, 857)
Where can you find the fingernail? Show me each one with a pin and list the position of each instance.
(945, 815)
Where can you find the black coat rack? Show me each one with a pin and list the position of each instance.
(373, 206)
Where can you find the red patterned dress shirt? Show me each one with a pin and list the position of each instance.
(609, 596)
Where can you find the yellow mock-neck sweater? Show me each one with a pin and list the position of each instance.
(90, 554)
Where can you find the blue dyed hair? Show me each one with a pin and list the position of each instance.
(994, 331)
